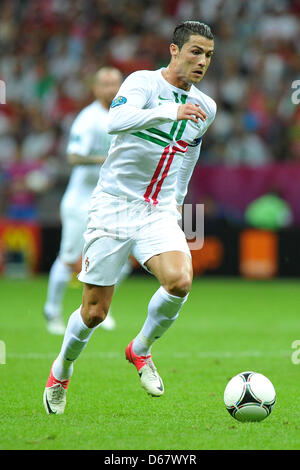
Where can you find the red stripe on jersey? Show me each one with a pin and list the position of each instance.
(175, 148)
(165, 172)
(183, 144)
(156, 173)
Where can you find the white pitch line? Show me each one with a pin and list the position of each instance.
(177, 355)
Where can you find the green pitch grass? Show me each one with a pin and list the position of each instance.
(226, 327)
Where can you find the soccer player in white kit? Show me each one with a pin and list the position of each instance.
(87, 150)
(158, 119)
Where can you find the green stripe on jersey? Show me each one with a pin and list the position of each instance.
(150, 138)
(183, 123)
(169, 136)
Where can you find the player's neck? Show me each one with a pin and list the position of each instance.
(171, 76)
(104, 104)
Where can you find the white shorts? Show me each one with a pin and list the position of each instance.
(117, 228)
(74, 215)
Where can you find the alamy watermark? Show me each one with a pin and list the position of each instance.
(2, 352)
(2, 92)
(126, 220)
(192, 215)
(195, 237)
(296, 94)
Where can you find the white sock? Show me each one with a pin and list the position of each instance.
(76, 337)
(163, 310)
(59, 276)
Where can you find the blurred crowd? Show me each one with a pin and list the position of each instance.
(50, 50)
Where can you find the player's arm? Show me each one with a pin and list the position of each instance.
(190, 159)
(76, 159)
(129, 111)
(185, 172)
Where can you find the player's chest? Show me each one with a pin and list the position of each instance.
(187, 130)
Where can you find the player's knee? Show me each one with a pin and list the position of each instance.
(180, 284)
(95, 304)
(94, 313)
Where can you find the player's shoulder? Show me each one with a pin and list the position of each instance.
(207, 103)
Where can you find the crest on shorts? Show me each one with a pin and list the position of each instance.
(86, 263)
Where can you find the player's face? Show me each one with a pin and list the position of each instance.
(107, 87)
(193, 60)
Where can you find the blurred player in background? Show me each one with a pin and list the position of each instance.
(158, 119)
(87, 150)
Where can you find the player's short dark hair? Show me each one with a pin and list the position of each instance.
(184, 30)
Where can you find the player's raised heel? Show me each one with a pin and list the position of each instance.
(150, 379)
(54, 397)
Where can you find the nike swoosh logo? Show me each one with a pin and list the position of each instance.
(49, 408)
(165, 99)
(161, 387)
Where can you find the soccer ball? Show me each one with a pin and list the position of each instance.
(249, 396)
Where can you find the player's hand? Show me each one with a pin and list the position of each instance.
(190, 111)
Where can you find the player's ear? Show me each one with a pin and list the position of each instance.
(174, 50)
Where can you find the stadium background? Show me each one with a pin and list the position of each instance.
(49, 51)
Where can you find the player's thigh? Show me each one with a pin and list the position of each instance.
(102, 261)
(103, 258)
(174, 271)
(161, 247)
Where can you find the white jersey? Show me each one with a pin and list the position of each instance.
(152, 155)
(88, 136)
